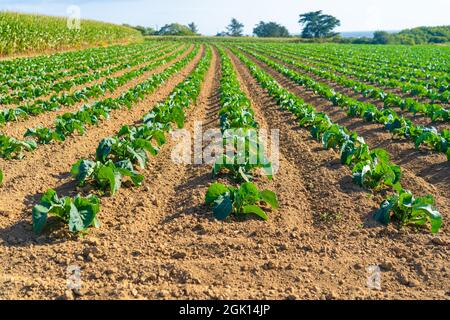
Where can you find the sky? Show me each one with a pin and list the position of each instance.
(213, 16)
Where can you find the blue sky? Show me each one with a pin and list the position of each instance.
(213, 15)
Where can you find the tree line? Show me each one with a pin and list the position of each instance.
(421, 35)
(316, 26)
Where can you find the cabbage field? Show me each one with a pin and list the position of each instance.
(360, 187)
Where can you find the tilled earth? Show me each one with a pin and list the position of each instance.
(160, 241)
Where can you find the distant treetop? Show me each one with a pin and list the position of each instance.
(270, 29)
(175, 29)
(193, 27)
(318, 25)
(235, 28)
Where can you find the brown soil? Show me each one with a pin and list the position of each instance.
(160, 241)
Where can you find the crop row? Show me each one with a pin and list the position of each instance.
(59, 65)
(11, 148)
(85, 94)
(238, 126)
(121, 156)
(434, 111)
(424, 62)
(20, 72)
(414, 82)
(407, 85)
(69, 123)
(392, 122)
(371, 169)
(32, 89)
(88, 115)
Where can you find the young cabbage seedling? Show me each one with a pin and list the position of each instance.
(407, 210)
(248, 155)
(79, 212)
(106, 176)
(241, 170)
(242, 201)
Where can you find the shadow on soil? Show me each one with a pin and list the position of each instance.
(21, 233)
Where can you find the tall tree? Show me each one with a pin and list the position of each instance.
(235, 28)
(270, 29)
(318, 25)
(193, 27)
